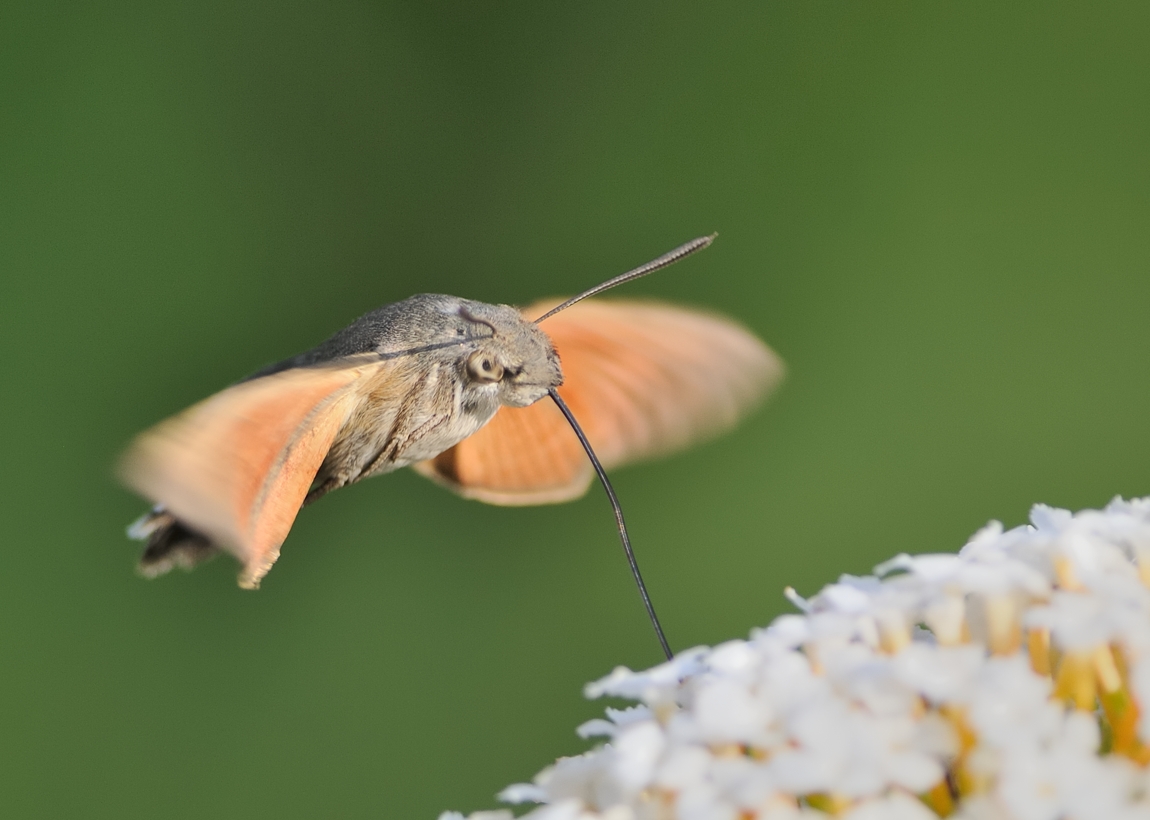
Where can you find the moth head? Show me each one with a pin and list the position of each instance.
(493, 349)
(506, 354)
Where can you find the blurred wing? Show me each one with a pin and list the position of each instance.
(237, 466)
(642, 378)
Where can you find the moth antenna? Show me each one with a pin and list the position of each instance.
(669, 258)
(466, 314)
(606, 482)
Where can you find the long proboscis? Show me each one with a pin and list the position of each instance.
(669, 258)
(619, 522)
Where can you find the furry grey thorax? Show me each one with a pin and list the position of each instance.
(454, 362)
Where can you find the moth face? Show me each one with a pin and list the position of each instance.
(508, 355)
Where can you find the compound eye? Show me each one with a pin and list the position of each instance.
(482, 367)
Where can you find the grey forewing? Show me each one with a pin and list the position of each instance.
(435, 328)
(411, 326)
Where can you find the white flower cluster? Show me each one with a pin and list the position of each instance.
(1007, 682)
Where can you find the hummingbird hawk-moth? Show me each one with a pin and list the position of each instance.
(450, 387)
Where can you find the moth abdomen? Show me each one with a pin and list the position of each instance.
(169, 544)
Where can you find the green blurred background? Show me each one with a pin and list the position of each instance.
(937, 213)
